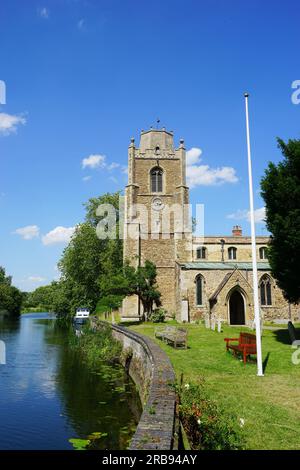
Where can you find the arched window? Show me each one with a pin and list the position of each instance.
(265, 288)
(156, 180)
(199, 290)
(232, 252)
(201, 252)
(263, 252)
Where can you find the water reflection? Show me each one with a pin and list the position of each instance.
(48, 395)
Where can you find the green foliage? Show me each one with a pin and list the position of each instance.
(281, 192)
(158, 315)
(92, 272)
(81, 266)
(87, 265)
(109, 303)
(4, 279)
(80, 444)
(41, 298)
(140, 281)
(207, 425)
(146, 287)
(97, 346)
(91, 207)
(10, 297)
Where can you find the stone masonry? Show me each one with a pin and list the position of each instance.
(157, 228)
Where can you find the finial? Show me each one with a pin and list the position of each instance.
(181, 142)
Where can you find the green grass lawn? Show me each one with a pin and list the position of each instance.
(270, 405)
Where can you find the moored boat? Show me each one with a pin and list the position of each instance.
(81, 315)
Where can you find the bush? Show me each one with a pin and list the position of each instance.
(97, 346)
(158, 315)
(207, 426)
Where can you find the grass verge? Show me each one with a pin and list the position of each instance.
(268, 407)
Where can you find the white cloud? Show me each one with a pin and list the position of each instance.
(86, 178)
(9, 123)
(244, 214)
(44, 12)
(98, 161)
(193, 156)
(28, 232)
(36, 279)
(204, 175)
(112, 166)
(58, 235)
(94, 161)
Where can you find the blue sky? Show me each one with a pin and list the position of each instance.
(82, 77)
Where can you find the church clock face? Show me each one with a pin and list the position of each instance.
(157, 204)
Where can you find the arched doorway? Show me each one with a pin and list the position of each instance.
(236, 308)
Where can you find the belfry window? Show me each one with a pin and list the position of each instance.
(265, 291)
(232, 252)
(201, 252)
(156, 180)
(199, 293)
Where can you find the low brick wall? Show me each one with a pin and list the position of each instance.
(152, 372)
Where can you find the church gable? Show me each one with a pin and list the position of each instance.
(230, 281)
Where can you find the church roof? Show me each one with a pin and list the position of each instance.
(211, 265)
(220, 286)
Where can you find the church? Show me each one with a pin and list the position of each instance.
(200, 278)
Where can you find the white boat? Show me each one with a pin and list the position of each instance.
(81, 315)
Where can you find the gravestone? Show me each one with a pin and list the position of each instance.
(207, 322)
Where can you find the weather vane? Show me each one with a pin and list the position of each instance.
(157, 122)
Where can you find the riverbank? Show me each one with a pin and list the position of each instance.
(151, 370)
(34, 310)
(51, 399)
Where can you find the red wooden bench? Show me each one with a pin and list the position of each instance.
(246, 345)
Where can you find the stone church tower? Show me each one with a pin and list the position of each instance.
(156, 218)
(200, 278)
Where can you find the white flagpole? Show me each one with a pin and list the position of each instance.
(253, 243)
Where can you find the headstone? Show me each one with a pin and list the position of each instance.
(184, 311)
(219, 325)
(207, 322)
(292, 332)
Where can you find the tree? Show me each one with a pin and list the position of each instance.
(281, 192)
(81, 266)
(10, 297)
(88, 262)
(93, 203)
(147, 288)
(140, 281)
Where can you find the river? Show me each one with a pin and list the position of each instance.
(48, 395)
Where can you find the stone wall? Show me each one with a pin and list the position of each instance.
(152, 372)
(240, 279)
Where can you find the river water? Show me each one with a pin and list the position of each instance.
(48, 395)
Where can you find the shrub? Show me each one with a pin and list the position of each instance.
(97, 346)
(207, 425)
(158, 315)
